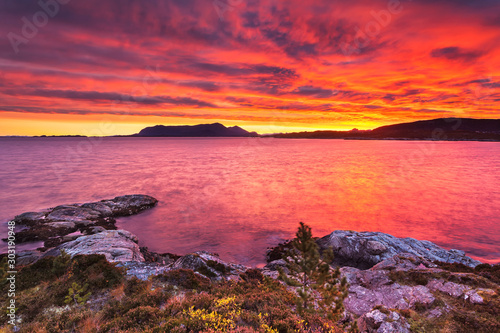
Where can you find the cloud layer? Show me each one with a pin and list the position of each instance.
(256, 63)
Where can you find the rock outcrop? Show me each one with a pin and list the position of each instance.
(51, 225)
(115, 245)
(209, 265)
(366, 249)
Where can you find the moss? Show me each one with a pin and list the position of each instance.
(487, 271)
(382, 309)
(206, 271)
(409, 277)
(219, 267)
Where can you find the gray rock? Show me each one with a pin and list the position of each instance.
(209, 265)
(377, 321)
(89, 218)
(365, 249)
(372, 287)
(104, 210)
(94, 230)
(62, 224)
(277, 264)
(73, 214)
(143, 270)
(27, 257)
(116, 245)
(30, 218)
(130, 204)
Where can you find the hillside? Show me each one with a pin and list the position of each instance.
(203, 130)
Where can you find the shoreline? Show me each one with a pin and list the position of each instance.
(395, 280)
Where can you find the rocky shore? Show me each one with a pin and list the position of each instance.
(388, 277)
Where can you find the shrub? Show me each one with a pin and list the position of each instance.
(320, 288)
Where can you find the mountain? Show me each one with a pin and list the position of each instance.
(204, 130)
(450, 127)
(435, 129)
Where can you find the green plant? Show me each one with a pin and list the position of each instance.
(77, 294)
(61, 263)
(319, 287)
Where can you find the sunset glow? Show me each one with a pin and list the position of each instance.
(108, 68)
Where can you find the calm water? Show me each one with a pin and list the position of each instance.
(239, 196)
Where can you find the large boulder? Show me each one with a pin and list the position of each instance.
(365, 249)
(116, 245)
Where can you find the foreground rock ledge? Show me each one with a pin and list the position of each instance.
(363, 250)
(64, 223)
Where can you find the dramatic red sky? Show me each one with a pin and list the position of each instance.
(115, 66)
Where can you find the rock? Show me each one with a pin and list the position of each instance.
(73, 214)
(459, 290)
(276, 264)
(52, 224)
(374, 287)
(365, 249)
(103, 209)
(209, 265)
(377, 321)
(130, 204)
(116, 245)
(451, 288)
(93, 230)
(143, 270)
(62, 224)
(27, 257)
(30, 218)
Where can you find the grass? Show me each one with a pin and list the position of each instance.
(177, 301)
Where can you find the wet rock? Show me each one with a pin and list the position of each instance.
(53, 224)
(73, 214)
(103, 209)
(93, 230)
(130, 204)
(30, 218)
(62, 224)
(115, 245)
(365, 249)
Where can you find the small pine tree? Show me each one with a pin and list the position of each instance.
(75, 294)
(320, 288)
(61, 263)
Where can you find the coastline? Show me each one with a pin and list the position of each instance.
(386, 275)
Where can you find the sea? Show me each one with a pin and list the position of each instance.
(239, 196)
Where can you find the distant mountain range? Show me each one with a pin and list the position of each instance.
(436, 129)
(204, 130)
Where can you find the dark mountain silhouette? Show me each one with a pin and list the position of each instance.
(436, 129)
(204, 130)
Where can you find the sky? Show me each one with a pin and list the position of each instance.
(116, 66)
